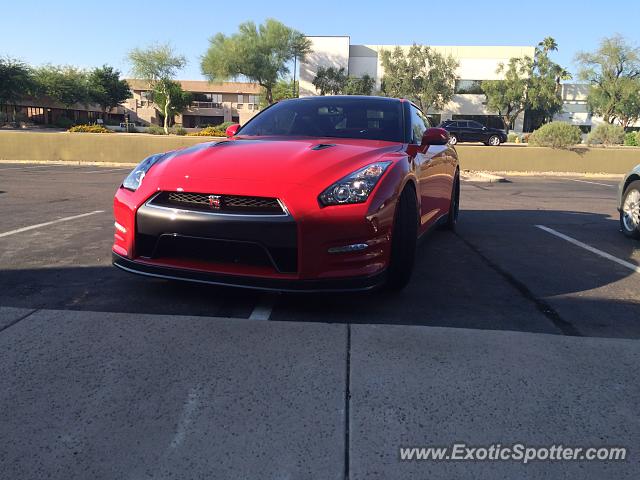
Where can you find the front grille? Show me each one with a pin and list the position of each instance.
(209, 250)
(238, 204)
(216, 250)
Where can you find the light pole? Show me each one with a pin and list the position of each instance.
(295, 57)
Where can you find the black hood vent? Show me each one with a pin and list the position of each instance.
(322, 146)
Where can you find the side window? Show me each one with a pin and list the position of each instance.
(475, 125)
(418, 126)
(426, 120)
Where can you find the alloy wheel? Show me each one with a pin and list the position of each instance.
(631, 211)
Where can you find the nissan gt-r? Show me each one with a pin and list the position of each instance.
(326, 193)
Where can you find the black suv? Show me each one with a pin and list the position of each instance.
(471, 131)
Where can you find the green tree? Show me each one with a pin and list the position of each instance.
(259, 53)
(359, 85)
(628, 109)
(158, 65)
(64, 84)
(106, 88)
(421, 75)
(613, 72)
(544, 91)
(508, 97)
(330, 80)
(528, 84)
(282, 90)
(16, 82)
(180, 99)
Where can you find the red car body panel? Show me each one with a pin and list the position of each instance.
(290, 170)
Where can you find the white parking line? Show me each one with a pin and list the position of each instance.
(21, 168)
(591, 249)
(262, 310)
(45, 224)
(592, 183)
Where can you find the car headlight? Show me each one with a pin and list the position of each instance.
(354, 188)
(134, 179)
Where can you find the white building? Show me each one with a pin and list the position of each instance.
(575, 109)
(475, 64)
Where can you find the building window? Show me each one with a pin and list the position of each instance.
(206, 100)
(253, 101)
(468, 86)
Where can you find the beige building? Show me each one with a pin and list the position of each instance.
(46, 111)
(212, 103)
(476, 63)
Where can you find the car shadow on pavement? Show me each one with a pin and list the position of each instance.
(498, 272)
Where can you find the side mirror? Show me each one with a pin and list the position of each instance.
(435, 136)
(232, 130)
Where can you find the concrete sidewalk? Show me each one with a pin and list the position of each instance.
(110, 395)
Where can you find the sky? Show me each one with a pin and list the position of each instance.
(88, 34)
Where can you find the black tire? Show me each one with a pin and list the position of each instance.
(630, 222)
(454, 206)
(403, 241)
(494, 140)
(453, 139)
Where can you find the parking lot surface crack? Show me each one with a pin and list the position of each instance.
(566, 327)
(19, 319)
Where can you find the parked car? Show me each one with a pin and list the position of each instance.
(629, 203)
(472, 131)
(317, 193)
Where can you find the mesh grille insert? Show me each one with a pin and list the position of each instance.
(220, 203)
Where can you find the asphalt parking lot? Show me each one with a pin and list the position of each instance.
(487, 343)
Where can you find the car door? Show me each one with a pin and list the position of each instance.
(429, 163)
(454, 129)
(477, 132)
(464, 135)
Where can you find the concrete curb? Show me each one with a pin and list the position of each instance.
(473, 176)
(73, 163)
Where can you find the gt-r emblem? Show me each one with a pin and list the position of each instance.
(214, 202)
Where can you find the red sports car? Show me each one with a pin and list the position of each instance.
(319, 193)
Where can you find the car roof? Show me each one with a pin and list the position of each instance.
(319, 98)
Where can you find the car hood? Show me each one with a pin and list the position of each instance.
(294, 161)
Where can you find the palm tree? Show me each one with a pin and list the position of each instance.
(549, 44)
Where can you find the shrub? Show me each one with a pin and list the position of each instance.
(155, 130)
(224, 125)
(526, 137)
(64, 122)
(179, 131)
(513, 137)
(606, 134)
(556, 135)
(631, 139)
(89, 129)
(208, 132)
(131, 128)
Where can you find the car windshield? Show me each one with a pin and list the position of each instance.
(364, 118)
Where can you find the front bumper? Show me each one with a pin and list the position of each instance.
(363, 283)
(295, 251)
